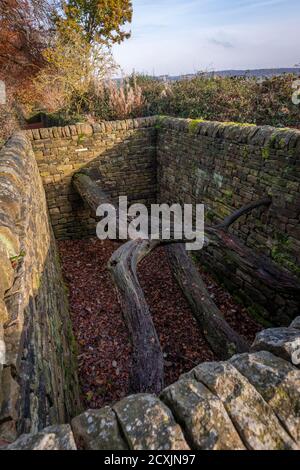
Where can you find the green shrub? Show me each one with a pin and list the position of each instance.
(243, 100)
(227, 99)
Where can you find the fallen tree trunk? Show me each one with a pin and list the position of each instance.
(85, 183)
(257, 266)
(147, 372)
(147, 365)
(223, 340)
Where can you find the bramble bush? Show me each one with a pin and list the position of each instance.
(244, 100)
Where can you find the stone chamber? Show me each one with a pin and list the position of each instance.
(250, 401)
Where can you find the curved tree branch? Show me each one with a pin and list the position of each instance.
(147, 364)
(242, 211)
(147, 372)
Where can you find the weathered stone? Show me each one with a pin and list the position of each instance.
(86, 129)
(295, 323)
(283, 342)
(9, 395)
(36, 134)
(44, 133)
(3, 313)
(9, 241)
(6, 271)
(254, 419)
(58, 437)
(2, 355)
(148, 424)
(278, 382)
(98, 430)
(10, 202)
(202, 416)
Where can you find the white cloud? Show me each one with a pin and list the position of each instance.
(164, 47)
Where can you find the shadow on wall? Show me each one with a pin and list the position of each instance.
(38, 376)
(39, 384)
(124, 153)
(223, 165)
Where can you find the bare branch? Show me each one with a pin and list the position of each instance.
(243, 211)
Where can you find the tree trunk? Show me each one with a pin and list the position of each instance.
(147, 373)
(223, 340)
(85, 183)
(256, 265)
(147, 360)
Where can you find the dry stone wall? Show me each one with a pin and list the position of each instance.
(124, 152)
(225, 166)
(38, 381)
(249, 402)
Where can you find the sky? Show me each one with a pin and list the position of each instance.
(186, 36)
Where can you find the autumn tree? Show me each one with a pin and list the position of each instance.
(54, 54)
(101, 21)
(80, 54)
(25, 26)
(73, 66)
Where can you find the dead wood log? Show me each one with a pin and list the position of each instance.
(85, 182)
(147, 372)
(243, 211)
(147, 365)
(223, 340)
(257, 266)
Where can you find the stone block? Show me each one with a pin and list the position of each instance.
(57, 437)
(6, 270)
(202, 416)
(98, 430)
(295, 323)
(148, 424)
(44, 133)
(283, 342)
(255, 421)
(3, 310)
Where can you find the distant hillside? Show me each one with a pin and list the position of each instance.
(258, 73)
